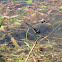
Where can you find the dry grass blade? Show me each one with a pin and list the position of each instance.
(13, 40)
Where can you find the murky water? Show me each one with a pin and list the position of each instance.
(33, 14)
(50, 19)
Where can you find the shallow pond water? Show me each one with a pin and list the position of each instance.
(34, 15)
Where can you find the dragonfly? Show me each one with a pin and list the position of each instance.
(36, 30)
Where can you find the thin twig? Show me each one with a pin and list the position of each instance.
(34, 59)
(55, 37)
(3, 37)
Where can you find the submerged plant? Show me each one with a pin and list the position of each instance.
(60, 7)
(26, 9)
(17, 23)
(29, 1)
(2, 21)
(27, 44)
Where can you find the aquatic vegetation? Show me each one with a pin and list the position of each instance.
(2, 22)
(17, 23)
(60, 7)
(26, 44)
(43, 7)
(29, 1)
(26, 9)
